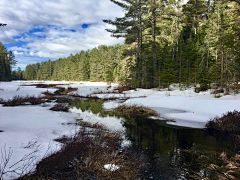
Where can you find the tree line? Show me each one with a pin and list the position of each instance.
(103, 63)
(7, 60)
(165, 42)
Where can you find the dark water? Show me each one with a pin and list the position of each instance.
(171, 152)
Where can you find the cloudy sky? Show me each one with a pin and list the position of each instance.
(38, 30)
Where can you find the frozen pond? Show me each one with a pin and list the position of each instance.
(161, 142)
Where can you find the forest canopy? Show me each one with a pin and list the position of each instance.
(7, 60)
(165, 42)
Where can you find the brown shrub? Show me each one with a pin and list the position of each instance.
(228, 123)
(226, 127)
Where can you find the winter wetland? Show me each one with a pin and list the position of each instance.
(89, 130)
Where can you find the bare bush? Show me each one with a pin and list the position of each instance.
(5, 158)
(228, 123)
(23, 166)
(226, 127)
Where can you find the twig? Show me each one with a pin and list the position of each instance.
(5, 157)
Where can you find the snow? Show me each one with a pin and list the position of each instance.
(39, 125)
(111, 167)
(186, 107)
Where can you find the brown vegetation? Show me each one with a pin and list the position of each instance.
(21, 100)
(217, 91)
(120, 89)
(84, 155)
(134, 110)
(45, 85)
(228, 123)
(230, 168)
(60, 107)
(90, 125)
(226, 127)
(63, 91)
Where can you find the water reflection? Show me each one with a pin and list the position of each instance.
(172, 152)
(164, 146)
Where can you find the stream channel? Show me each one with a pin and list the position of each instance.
(171, 152)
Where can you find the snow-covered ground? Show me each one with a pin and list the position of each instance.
(32, 128)
(186, 107)
(39, 125)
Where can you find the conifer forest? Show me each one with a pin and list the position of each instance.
(165, 42)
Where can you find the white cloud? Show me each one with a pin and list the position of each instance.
(56, 18)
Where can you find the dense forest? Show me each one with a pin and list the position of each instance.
(165, 42)
(7, 60)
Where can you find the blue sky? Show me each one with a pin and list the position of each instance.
(40, 30)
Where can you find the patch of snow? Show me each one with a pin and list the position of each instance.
(111, 167)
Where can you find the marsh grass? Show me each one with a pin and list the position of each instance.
(212, 165)
(90, 125)
(84, 155)
(134, 110)
(60, 107)
(120, 89)
(45, 85)
(22, 100)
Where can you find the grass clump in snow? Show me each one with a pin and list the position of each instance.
(226, 127)
(133, 111)
(90, 125)
(60, 107)
(63, 91)
(21, 100)
(85, 155)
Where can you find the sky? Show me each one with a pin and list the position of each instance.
(37, 31)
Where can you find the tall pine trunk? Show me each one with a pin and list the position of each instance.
(154, 53)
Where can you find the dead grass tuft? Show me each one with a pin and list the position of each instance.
(90, 125)
(21, 100)
(47, 93)
(60, 107)
(133, 111)
(120, 89)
